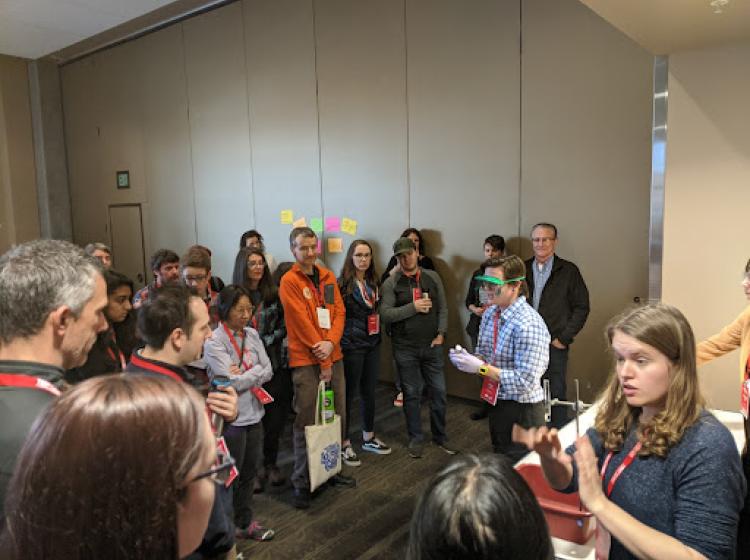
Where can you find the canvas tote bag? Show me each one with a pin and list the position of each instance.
(323, 445)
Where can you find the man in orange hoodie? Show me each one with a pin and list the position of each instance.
(314, 314)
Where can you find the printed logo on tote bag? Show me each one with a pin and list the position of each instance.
(329, 457)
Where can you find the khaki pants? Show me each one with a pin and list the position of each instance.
(306, 380)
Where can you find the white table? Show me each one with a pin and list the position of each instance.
(566, 550)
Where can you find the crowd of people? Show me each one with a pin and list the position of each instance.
(156, 415)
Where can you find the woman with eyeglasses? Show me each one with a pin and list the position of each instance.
(360, 343)
(251, 271)
(119, 466)
(235, 353)
(737, 335)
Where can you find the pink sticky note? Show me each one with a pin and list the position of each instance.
(320, 246)
(333, 224)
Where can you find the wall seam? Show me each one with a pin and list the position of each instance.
(520, 122)
(317, 115)
(249, 119)
(408, 121)
(190, 130)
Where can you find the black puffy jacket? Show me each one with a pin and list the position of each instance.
(355, 335)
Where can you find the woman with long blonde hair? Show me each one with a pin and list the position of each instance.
(661, 474)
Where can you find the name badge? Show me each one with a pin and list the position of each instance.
(490, 389)
(263, 396)
(373, 324)
(324, 318)
(745, 399)
(416, 293)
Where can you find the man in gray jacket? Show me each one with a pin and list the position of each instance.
(414, 308)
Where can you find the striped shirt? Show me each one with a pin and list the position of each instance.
(517, 342)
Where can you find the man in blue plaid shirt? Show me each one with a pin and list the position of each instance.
(513, 349)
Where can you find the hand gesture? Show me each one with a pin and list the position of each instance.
(423, 305)
(322, 349)
(223, 401)
(464, 361)
(589, 479)
(544, 441)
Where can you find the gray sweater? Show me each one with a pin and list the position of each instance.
(220, 355)
(407, 326)
(694, 495)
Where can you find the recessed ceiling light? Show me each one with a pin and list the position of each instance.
(717, 5)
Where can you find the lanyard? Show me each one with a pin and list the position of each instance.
(496, 329)
(629, 458)
(240, 351)
(366, 292)
(120, 355)
(29, 382)
(139, 362)
(256, 316)
(317, 291)
(416, 276)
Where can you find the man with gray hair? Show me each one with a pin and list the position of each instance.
(52, 300)
(101, 252)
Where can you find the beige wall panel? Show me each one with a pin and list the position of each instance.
(219, 132)
(586, 160)
(169, 214)
(463, 98)
(283, 115)
(362, 98)
(19, 217)
(81, 98)
(706, 199)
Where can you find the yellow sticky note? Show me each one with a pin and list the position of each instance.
(300, 222)
(335, 245)
(349, 226)
(287, 216)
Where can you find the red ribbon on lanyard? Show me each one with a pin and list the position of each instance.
(120, 356)
(29, 382)
(240, 351)
(629, 458)
(365, 291)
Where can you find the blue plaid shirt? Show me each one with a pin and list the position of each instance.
(521, 351)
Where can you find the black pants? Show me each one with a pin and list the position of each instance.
(280, 388)
(245, 444)
(502, 417)
(556, 372)
(361, 370)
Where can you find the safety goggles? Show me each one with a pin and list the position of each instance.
(488, 282)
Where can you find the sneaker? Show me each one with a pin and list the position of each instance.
(447, 449)
(415, 449)
(349, 457)
(255, 531)
(374, 445)
(399, 400)
(479, 414)
(301, 498)
(342, 480)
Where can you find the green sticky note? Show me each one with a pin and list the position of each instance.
(316, 224)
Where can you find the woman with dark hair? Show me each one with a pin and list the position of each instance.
(424, 261)
(111, 351)
(120, 466)
(252, 239)
(736, 335)
(360, 344)
(478, 508)
(659, 472)
(251, 271)
(235, 352)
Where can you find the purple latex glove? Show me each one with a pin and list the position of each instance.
(464, 361)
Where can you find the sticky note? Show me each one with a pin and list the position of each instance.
(319, 248)
(335, 245)
(333, 224)
(287, 216)
(349, 226)
(316, 224)
(299, 222)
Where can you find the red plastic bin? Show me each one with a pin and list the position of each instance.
(565, 518)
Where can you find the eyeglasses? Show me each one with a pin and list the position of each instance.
(542, 239)
(219, 473)
(195, 278)
(362, 255)
(254, 264)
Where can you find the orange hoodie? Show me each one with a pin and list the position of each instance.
(300, 301)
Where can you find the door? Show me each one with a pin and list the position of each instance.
(126, 236)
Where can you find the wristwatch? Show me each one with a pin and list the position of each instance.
(484, 369)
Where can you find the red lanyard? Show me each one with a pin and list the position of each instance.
(139, 362)
(629, 458)
(119, 352)
(29, 382)
(417, 275)
(363, 289)
(240, 352)
(256, 317)
(317, 291)
(495, 333)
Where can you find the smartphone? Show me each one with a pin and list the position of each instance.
(217, 422)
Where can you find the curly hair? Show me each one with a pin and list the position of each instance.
(666, 329)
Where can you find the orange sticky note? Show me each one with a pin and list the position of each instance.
(335, 245)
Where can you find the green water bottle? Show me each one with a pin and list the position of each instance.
(326, 404)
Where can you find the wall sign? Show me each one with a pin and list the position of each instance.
(123, 179)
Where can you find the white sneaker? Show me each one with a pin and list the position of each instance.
(349, 457)
(399, 400)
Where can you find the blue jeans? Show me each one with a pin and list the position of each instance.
(417, 366)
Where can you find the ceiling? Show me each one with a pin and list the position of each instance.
(669, 26)
(69, 28)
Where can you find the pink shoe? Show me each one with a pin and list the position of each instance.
(399, 400)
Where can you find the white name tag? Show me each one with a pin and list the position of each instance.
(324, 318)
